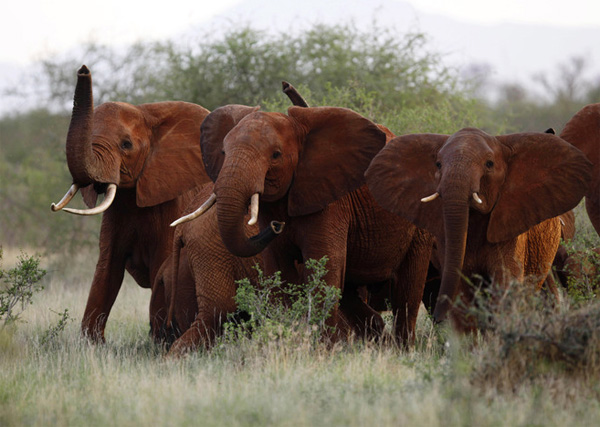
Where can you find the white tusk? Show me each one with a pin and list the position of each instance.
(66, 198)
(253, 209)
(205, 206)
(561, 221)
(430, 198)
(108, 199)
(477, 199)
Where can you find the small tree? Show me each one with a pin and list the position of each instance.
(17, 287)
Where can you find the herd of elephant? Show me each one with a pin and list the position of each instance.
(402, 219)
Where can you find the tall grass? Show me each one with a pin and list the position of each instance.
(444, 380)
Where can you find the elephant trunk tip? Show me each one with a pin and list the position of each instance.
(277, 226)
(83, 71)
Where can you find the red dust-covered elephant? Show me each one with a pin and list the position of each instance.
(490, 202)
(147, 161)
(306, 169)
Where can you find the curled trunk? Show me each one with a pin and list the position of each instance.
(231, 212)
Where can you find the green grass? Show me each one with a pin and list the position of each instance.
(443, 381)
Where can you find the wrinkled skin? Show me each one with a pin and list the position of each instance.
(183, 302)
(523, 181)
(214, 270)
(583, 131)
(307, 166)
(151, 153)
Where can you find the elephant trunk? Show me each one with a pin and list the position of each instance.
(456, 220)
(82, 162)
(234, 191)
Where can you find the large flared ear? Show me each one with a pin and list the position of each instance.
(545, 177)
(214, 129)
(174, 161)
(403, 173)
(337, 146)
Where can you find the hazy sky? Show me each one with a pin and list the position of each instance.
(31, 29)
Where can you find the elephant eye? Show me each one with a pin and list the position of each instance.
(489, 164)
(126, 144)
(277, 154)
(438, 165)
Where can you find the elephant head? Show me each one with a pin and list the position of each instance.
(508, 183)
(151, 147)
(305, 160)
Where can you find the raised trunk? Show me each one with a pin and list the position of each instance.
(456, 220)
(82, 163)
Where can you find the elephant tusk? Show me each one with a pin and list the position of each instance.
(108, 199)
(66, 198)
(430, 198)
(253, 209)
(205, 206)
(477, 199)
(562, 222)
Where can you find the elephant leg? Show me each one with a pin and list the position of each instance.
(408, 291)
(198, 334)
(110, 270)
(361, 318)
(432, 288)
(158, 310)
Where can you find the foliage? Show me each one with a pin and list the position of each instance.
(528, 338)
(18, 286)
(562, 92)
(246, 66)
(583, 275)
(283, 312)
(49, 336)
(34, 174)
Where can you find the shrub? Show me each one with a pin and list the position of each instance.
(528, 339)
(18, 285)
(49, 336)
(274, 312)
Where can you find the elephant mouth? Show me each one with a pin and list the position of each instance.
(89, 193)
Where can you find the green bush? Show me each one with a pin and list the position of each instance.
(273, 311)
(18, 285)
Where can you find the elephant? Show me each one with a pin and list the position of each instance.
(147, 161)
(491, 203)
(583, 131)
(306, 170)
(214, 270)
(183, 301)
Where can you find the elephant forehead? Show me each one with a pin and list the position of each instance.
(471, 142)
(259, 128)
(116, 117)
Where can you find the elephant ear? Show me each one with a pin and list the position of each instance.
(403, 173)
(337, 146)
(174, 162)
(546, 176)
(213, 131)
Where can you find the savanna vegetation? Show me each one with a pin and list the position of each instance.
(533, 364)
